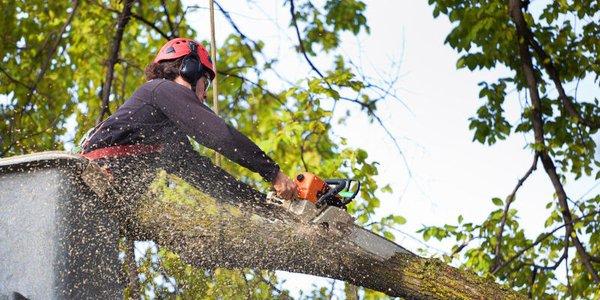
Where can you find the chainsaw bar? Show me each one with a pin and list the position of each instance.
(335, 217)
(309, 213)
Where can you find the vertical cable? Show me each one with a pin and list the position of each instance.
(213, 54)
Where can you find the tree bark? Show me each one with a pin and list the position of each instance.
(210, 232)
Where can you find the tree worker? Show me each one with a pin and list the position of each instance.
(150, 130)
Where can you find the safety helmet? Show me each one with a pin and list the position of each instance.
(181, 47)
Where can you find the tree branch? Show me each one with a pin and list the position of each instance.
(301, 45)
(569, 287)
(396, 144)
(46, 64)
(532, 283)
(367, 106)
(332, 289)
(538, 127)
(114, 55)
(189, 7)
(509, 201)
(53, 49)
(273, 286)
(14, 80)
(24, 136)
(171, 27)
(137, 17)
(269, 93)
(401, 274)
(555, 265)
(251, 41)
(234, 25)
(539, 240)
(311, 64)
(553, 73)
(302, 159)
(463, 245)
(151, 25)
(384, 92)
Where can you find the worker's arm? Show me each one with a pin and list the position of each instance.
(182, 107)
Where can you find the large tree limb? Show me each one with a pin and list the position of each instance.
(516, 15)
(212, 231)
(113, 58)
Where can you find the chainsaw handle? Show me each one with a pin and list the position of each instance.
(347, 200)
(339, 185)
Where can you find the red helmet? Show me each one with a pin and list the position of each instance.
(180, 47)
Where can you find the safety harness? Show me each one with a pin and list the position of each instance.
(122, 150)
(114, 151)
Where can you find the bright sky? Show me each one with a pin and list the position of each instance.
(451, 175)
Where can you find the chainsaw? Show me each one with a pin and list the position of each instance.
(320, 201)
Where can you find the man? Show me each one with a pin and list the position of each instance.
(151, 129)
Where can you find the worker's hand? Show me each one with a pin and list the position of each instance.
(284, 186)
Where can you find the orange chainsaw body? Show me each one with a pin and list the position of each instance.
(310, 187)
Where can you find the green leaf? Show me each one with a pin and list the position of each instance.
(388, 235)
(497, 201)
(387, 189)
(399, 220)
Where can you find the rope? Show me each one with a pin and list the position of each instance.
(213, 54)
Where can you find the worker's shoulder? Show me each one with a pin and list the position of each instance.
(156, 84)
(165, 87)
(155, 90)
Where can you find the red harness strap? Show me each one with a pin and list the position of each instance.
(122, 150)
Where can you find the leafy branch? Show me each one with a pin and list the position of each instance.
(538, 127)
(540, 239)
(54, 47)
(369, 106)
(171, 27)
(509, 201)
(135, 16)
(553, 73)
(32, 88)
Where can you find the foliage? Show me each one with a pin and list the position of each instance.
(562, 37)
(54, 63)
(165, 275)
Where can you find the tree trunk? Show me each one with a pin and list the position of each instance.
(209, 232)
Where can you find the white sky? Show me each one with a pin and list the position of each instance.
(451, 174)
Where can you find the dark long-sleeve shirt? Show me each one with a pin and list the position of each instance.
(161, 109)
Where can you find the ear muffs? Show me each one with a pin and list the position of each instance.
(191, 69)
